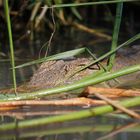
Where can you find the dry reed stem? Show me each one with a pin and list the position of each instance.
(113, 103)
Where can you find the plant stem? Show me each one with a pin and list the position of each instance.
(90, 3)
(6, 7)
(115, 33)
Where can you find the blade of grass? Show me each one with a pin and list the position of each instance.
(90, 3)
(76, 13)
(54, 57)
(119, 9)
(6, 7)
(35, 10)
(94, 57)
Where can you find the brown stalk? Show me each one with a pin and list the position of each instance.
(65, 102)
(91, 31)
(111, 92)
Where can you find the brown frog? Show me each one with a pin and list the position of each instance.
(55, 73)
(59, 72)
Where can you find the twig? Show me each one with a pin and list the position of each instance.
(52, 34)
(40, 17)
(111, 92)
(65, 102)
(118, 106)
(91, 31)
(34, 11)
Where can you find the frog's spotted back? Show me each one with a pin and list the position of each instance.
(54, 73)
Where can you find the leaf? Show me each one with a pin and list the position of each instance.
(54, 57)
(76, 13)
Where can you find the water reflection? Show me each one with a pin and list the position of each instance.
(98, 128)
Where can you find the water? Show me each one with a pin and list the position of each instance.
(98, 128)
(84, 129)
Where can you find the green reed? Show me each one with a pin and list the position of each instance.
(7, 13)
(116, 31)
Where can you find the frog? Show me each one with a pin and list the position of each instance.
(62, 72)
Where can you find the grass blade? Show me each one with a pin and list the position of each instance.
(54, 57)
(91, 3)
(6, 7)
(115, 33)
